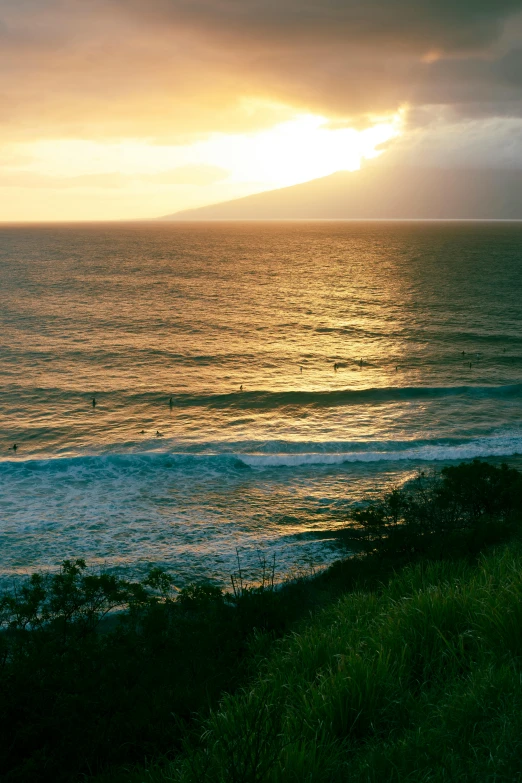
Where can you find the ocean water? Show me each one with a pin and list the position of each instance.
(221, 426)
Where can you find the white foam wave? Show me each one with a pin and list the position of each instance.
(486, 447)
(217, 458)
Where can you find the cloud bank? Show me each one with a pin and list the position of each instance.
(173, 69)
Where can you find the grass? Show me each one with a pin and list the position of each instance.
(418, 682)
(401, 663)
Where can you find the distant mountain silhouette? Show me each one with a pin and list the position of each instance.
(384, 193)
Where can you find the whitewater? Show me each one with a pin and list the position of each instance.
(251, 383)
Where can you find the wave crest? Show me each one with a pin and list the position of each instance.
(268, 400)
(231, 457)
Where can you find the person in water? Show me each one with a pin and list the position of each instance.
(15, 447)
(335, 367)
(170, 402)
(241, 387)
(94, 402)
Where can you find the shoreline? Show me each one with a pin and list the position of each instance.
(297, 537)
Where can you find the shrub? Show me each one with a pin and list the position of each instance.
(457, 510)
(96, 670)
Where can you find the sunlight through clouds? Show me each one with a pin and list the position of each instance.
(302, 149)
(222, 166)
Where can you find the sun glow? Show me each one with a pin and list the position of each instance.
(300, 150)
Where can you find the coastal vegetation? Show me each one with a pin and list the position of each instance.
(400, 662)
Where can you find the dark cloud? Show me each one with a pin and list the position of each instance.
(472, 143)
(170, 69)
(449, 24)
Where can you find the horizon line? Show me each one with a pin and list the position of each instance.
(168, 220)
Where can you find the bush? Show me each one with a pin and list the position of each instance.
(83, 686)
(458, 510)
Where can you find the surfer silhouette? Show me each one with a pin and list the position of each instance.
(241, 387)
(15, 447)
(94, 402)
(171, 403)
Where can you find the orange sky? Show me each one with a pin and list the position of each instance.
(117, 110)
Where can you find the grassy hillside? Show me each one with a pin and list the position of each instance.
(418, 682)
(416, 679)
(401, 663)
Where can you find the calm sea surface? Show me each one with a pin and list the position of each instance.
(164, 323)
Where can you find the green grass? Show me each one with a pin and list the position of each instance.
(420, 682)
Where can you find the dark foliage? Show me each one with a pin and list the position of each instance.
(457, 511)
(81, 689)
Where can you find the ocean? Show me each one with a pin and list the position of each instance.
(252, 382)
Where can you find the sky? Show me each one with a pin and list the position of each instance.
(124, 109)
